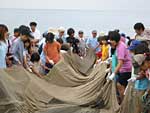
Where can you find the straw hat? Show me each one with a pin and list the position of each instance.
(61, 29)
(53, 31)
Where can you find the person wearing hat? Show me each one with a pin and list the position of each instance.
(140, 65)
(51, 50)
(35, 33)
(18, 48)
(61, 34)
(82, 44)
(92, 42)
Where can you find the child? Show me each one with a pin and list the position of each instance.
(9, 60)
(140, 65)
(52, 51)
(26, 53)
(146, 96)
(99, 54)
(35, 65)
(105, 48)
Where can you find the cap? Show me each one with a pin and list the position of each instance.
(134, 44)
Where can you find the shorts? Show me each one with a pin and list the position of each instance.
(123, 78)
(49, 66)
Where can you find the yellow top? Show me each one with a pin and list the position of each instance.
(105, 52)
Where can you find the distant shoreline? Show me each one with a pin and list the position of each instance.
(105, 10)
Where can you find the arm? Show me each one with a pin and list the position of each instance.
(119, 65)
(35, 72)
(25, 62)
(45, 52)
(59, 47)
(45, 67)
(141, 75)
(14, 52)
(88, 43)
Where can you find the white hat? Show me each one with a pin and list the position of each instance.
(53, 31)
(102, 33)
(61, 29)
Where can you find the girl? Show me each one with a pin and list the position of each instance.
(35, 64)
(52, 51)
(124, 65)
(105, 48)
(3, 45)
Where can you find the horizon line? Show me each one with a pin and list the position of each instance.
(78, 9)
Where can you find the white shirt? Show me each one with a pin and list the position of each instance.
(36, 34)
(3, 51)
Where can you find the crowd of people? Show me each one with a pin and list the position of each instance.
(129, 59)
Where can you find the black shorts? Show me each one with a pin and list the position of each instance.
(49, 66)
(123, 78)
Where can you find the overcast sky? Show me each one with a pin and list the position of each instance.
(77, 4)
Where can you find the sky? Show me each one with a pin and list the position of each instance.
(77, 4)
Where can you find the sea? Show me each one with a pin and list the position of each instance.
(86, 20)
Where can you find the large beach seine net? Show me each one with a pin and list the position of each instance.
(72, 86)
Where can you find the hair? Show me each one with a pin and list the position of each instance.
(65, 47)
(3, 30)
(33, 24)
(123, 35)
(70, 31)
(80, 32)
(139, 26)
(129, 42)
(147, 56)
(35, 57)
(28, 41)
(117, 30)
(101, 38)
(50, 37)
(60, 40)
(24, 30)
(10, 55)
(145, 42)
(115, 36)
(141, 49)
(16, 30)
(128, 38)
(112, 51)
(104, 38)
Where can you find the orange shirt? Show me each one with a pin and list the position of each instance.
(52, 51)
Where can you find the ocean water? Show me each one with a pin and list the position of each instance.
(86, 20)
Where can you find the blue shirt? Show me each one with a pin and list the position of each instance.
(3, 52)
(142, 84)
(93, 43)
(18, 49)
